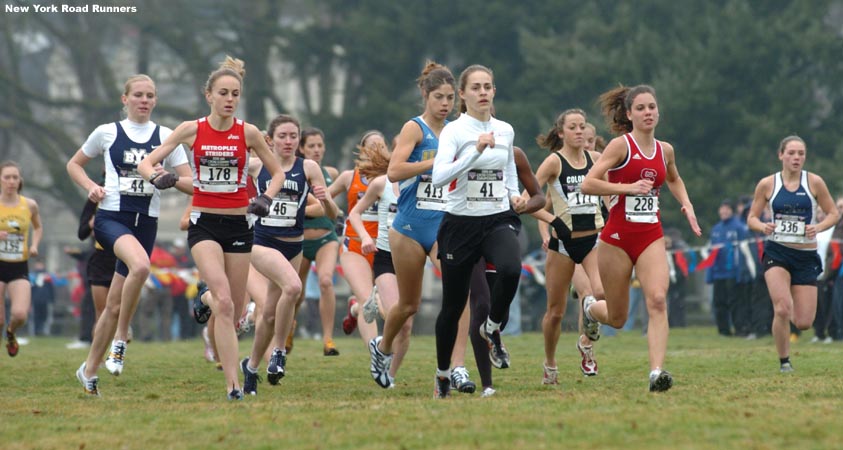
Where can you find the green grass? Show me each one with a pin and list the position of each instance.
(728, 393)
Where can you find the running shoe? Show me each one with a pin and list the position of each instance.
(589, 364)
(349, 324)
(551, 375)
(488, 392)
(330, 349)
(275, 370)
(209, 349)
(247, 320)
(380, 362)
(250, 379)
(660, 381)
(114, 362)
(497, 352)
(235, 394)
(590, 327)
(89, 384)
(201, 311)
(441, 387)
(370, 308)
(12, 345)
(786, 368)
(461, 382)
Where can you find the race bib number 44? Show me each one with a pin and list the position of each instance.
(135, 185)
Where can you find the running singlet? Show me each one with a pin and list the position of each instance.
(286, 214)
(15, 221)
(480, 184)
(220, 159)
(321, 222)
(792, 211)
(124, 144)
(579, 211)
(356, 191)
(387, 209)
(638, 209)
(419, 198)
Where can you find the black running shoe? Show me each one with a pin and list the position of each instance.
(497, 352)
(235, 394)
(461, 382)
(275, 369)
(250, 379)
(442, 387)
(660, 381)
(201, 311)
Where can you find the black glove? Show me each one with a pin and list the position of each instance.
(562, 230)
(164, 181)
(260, 207)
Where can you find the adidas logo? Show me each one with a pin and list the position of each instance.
(615, 236)
(429, 136)
(233, 137)
(636, 156)
(407, 227)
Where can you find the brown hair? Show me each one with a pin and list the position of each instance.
(306, 133)
(369, 134)
(789, 139)
(373, 160)
(464, 80)
(433, 76)
(280, 120)
(551, 140)
(616, 102)
(229, 66)
(10, 163)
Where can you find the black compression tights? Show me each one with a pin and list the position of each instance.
(499, 248)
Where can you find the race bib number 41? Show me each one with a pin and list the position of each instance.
(485, 189)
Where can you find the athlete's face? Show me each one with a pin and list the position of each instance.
(314, 148)
(644, 112)
(573, 131)
(588, 139)
(224, 96)
(10, 180)
(793, 156)
(140, 101)
(479, 92)
(440, 101)
(285, 139)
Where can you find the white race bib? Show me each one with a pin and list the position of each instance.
(217, 174)
(11, 248)
(579, 203)
(370, 214)
(282, 212)
(789, 229)
(135, 185)
(430, 197)
(642, 208)
(485, 189)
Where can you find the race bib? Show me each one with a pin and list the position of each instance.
(135, 185)
(430, 197)
(371, 213)
(11, 248)
(485, 189)
(282, 212)
(579, 203)
(789, 229)
(218, 174)
(642, 208)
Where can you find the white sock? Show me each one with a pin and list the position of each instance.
(443, 373)
(491, 327)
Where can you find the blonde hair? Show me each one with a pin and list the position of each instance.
(127, 88)
(233, 67)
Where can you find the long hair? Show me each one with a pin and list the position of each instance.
(551, 139)
(464, 80)
(616, 102)
(372, 160)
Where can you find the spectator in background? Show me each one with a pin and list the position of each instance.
(43, 297)
(833, 260)
(184, 265)
(724, 273)
(761, 307)
(823, 325)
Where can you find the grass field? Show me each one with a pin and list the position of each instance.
(728, 393)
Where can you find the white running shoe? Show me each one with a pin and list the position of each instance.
(461, 382)
(380, 362)
(370, 308)
(114, 362)
(89, 384)
(660, 380)
(589, 364)
(551, 375)
(488, 392)
(498, 355)
(247, 320)
(590, 327)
